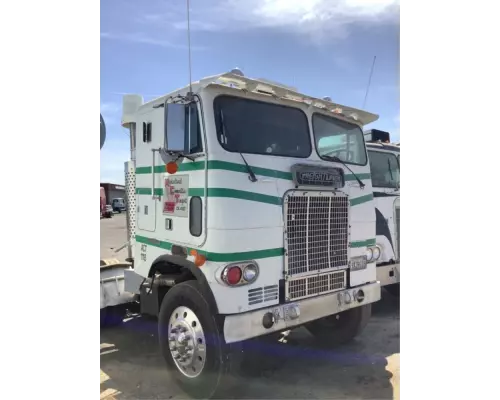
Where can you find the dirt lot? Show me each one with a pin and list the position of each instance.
(131, 367)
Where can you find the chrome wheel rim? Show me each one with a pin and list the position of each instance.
(187, 342)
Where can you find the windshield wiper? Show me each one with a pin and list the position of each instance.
(392, 176)
(390, 170)
(251, 175)
(336, 159)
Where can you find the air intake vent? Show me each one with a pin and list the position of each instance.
(300, 288)
(262, 295)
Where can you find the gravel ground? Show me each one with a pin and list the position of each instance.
(293, 368)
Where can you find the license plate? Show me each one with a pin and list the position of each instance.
(285, 313)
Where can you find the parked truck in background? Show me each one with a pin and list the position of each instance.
(385, 171)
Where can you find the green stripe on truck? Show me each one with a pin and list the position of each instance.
(242, 195)
(234, 167)
(239, 256)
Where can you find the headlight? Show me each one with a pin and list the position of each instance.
(376, 253)
(369, 254)
(250, 273)
(240, 273)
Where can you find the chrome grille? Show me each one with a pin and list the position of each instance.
(316, 231)
(398, 234)
(300, 288)
(262, 295)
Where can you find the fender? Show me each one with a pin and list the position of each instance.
(169, 264)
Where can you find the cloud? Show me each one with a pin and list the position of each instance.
(310, 17)
(316, 20)
(143, 38)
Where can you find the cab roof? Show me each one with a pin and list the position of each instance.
(236, 80)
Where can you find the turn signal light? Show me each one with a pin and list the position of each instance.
(199, 259)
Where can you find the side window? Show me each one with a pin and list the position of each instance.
(146, 132)
(196, 216)
(183, 131)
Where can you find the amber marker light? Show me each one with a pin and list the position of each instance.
(199, 259)
(171, 167)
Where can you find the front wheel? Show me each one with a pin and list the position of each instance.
(340, 328)
(192, 344)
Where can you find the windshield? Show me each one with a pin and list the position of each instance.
(256, 127)
(384, 169)
(338, 138)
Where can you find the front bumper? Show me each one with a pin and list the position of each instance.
(245, 326)
(388, 274)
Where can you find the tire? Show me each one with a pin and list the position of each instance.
(393, 289)
(211, 363)
(112, 316)
(339, 329)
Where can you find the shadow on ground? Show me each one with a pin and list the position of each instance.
(294, 368)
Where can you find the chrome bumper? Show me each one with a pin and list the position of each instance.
(245, 326)
(388, 274)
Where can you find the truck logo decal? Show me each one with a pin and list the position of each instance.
(308, 175)
(239, 256)
(175, 195)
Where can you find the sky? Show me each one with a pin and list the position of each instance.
(321, 47)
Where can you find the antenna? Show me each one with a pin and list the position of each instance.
(369, 82)
(189, 49)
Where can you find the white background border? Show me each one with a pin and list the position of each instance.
(49, 94)
(49, 84)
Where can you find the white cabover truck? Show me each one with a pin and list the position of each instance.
(250, 212)
(385, 167)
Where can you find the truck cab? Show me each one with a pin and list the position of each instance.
(385, 168)
(253, 214)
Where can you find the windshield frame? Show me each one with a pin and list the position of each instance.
(271, 103)
(341, 121)
(396, 156)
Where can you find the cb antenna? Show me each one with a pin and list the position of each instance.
(189, 49)
(369, 81)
